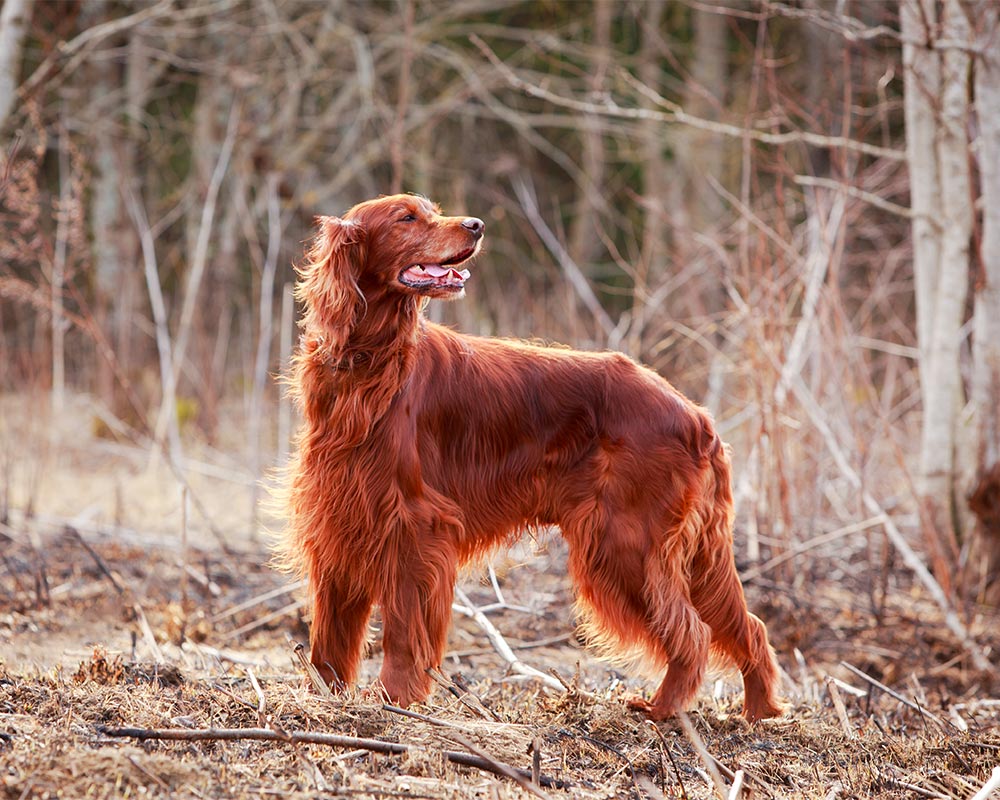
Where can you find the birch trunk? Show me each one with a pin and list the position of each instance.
(944, 390)
(984, 497)
(937, 154)
(115, 246)
(922, 86)
(14, 19)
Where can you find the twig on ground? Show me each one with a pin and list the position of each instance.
(499, 768)
(918, 790)
(149, 774)
(673, 762)
(257, 600)
(328, 739)
(315, 679)
(203, 580)
(405, 712)
(699, 745)
(896, 695)
(841, 709)
(500, 644)
(736, 789)
(147, 634)
(261, 703)
(101, 565)
(463, 695)
(990, 786)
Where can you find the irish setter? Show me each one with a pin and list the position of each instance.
(422, 448)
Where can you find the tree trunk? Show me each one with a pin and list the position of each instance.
(937, 153)
(700, 152)
(14, 19)
(652, 260)
(922, 86)
(115, 246)
(584, 243)
(984, 497)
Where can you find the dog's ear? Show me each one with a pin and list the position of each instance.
(328, 281)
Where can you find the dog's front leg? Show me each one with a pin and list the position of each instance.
(416, 611)
(341, 608)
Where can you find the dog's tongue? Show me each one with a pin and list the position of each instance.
(440, 274)
(437, 271)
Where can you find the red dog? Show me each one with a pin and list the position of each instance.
(422, 448)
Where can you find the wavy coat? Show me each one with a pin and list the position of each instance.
(422, 448)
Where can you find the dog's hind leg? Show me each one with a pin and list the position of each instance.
(631, 604)
(684, 639)
(606, 562)
(738, 634)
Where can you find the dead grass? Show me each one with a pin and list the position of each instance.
(77, 664)
(116, 625)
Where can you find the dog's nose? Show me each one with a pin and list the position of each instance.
(474, 225)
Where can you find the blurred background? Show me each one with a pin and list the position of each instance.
(785, 208)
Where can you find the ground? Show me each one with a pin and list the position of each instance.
(110, 621)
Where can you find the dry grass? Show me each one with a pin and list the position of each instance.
(117, 625)
(78, 664)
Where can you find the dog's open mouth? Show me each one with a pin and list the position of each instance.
(438, 276)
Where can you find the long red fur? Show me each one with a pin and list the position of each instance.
(422, 448)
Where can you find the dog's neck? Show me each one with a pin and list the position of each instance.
(384, 332)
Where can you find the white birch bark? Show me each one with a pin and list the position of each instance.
(922, 82)
(943, 386)
(106, 210)
(986, 345)
(937, 154)
(986, 327)
(14, 18)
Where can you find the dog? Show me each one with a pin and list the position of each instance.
(422, 448)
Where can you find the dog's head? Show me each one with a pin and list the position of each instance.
(400, 245)
(413, 249)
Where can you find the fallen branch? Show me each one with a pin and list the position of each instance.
(707, 758)
(101, 565)
(500, 644)
(895, 695)
(490, 765)
(499, 768)
(841, 709)
(991, 786)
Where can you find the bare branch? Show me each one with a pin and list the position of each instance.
(676, 114)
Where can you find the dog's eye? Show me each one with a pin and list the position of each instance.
(409, 218)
